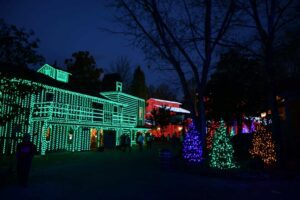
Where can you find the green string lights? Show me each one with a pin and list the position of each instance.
(221, 154)
(263, 146)
(60, 119)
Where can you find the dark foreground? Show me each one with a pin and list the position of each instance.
(135, 175)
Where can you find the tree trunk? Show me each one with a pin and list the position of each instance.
(276, 128)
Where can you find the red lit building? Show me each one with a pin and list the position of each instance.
(176, 120)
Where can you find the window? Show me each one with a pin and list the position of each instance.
(140, 112)
(97, 111)
(48, 72)
(48, 134)
(70, 136)
(62, 76)
(49, 96)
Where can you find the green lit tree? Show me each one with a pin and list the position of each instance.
(13, 95)
(221, 155)
(12, 92)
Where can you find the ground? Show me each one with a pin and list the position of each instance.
(113, 174)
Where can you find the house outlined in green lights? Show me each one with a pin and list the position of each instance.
(62, 118)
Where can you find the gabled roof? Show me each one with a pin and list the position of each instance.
(165, 101)
(120, 93)
(49, 66)
(34, 76)
(175, 109)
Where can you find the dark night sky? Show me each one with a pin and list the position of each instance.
(66, 26)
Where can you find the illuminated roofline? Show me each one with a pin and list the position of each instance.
(174, 109)
(161, 100)
(142, 129)
(72, 92)
(47, 65)
(128, 95)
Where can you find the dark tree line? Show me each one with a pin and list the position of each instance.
(18, 48)
(186, 35)
(18, 51)
(237, 87)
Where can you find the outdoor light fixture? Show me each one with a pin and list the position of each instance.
(263, 114)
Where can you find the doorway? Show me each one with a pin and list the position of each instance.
(93, 144)
(109, 139)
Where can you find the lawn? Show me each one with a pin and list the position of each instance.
(113, 174)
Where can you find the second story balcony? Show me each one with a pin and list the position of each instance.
(66, 113)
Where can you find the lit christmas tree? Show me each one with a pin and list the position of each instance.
(263, 146)
(209, 136)
(211, 129)
(221, 154)
(192, 149)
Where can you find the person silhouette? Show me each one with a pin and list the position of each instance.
(25, 152)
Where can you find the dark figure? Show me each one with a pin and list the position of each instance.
(174, 141)
(136, 138)
(140, 142)
(127, 143)
(25, 153)
(149, 141)
(122, 142)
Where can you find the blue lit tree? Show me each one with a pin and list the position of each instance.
(192, 148)
(221, 154)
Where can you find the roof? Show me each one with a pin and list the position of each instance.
(120, 93)
(57, 68)
(164, 101)
(31, 75)
(175, 109)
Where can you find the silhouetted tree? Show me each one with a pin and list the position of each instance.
(237, 87)
(109, 81)
(184, 34)
(84, 72)
(161, 117)
(123, 68)
(162, 91)
(17, 53)
(17, 48)
(270, 18)
(138, 84)
(287, 58)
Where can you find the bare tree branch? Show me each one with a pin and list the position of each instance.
(192, 30)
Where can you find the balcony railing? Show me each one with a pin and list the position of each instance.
(71, 113)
